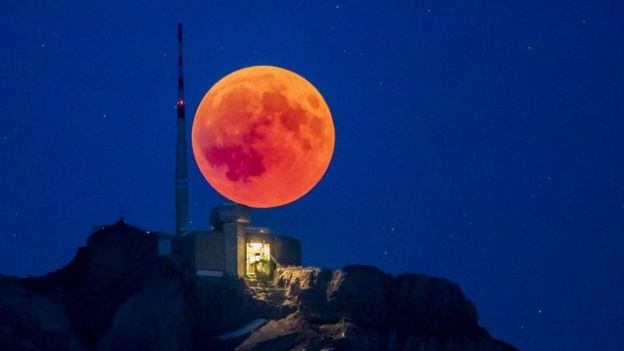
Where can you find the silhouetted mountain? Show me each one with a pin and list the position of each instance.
(119, 294)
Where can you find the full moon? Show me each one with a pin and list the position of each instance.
(263, 136)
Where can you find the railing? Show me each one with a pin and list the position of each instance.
(277, 264)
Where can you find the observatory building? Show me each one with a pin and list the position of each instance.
(231, 247)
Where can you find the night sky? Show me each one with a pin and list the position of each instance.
(480, 141)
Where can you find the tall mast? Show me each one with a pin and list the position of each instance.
(181, 189)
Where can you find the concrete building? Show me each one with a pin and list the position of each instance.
(232, 247)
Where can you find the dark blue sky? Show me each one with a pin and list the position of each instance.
(480, 141)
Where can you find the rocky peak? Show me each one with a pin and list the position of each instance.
(118, 294)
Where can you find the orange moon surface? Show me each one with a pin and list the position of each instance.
(263, 136)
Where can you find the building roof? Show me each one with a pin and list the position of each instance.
(230, 212)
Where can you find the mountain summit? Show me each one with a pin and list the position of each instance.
(119, 294)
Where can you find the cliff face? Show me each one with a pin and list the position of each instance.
(117, 294)
(362, 308)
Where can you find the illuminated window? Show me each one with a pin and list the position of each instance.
(258, 259)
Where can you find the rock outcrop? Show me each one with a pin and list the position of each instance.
(118, 294)
(32, 322)
(362, 308)
(156, 318)
(369, 297)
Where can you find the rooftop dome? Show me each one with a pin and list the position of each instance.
(230, 212)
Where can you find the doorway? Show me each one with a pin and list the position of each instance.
(258, 260)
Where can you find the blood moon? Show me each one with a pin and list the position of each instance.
(263, 136)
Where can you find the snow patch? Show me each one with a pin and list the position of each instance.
(247, 329)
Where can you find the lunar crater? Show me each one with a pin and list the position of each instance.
(313, 101)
